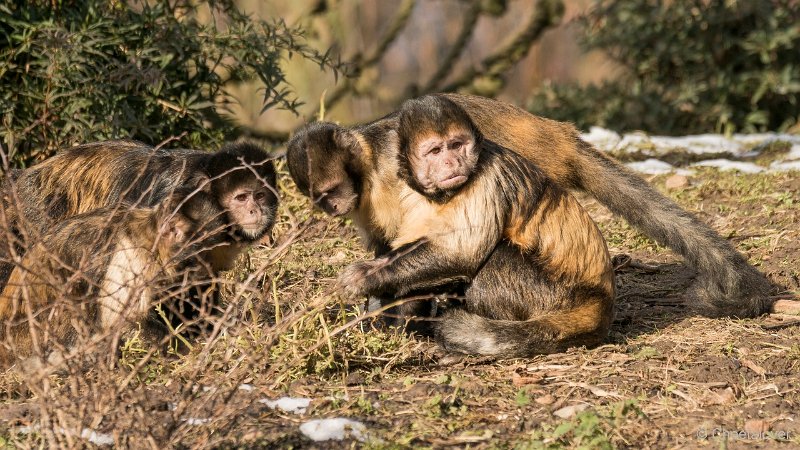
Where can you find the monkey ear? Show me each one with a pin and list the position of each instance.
(347, 140)
(200, 181)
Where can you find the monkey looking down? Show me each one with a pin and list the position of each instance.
(103, 271)
(541, 276)
(331, 164)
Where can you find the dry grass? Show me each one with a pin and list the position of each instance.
(664, 379)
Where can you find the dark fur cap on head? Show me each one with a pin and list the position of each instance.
(321, 150)
(422, 117)
(431, 114)
(234, 164)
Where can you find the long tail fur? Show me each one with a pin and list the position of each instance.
(461, 331)
(726, 284)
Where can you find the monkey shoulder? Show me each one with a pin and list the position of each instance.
(223, 257)
(379, 130)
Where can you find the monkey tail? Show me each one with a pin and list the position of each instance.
(726, 284)
(460, 331)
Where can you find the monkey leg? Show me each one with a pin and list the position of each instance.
(414, 311)
(513, 309)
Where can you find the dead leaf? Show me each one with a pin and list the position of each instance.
(545, 400)
(753, 366)
(569, 411)
(596, 390)
(723, 397)
(756, 426)
(518, 380)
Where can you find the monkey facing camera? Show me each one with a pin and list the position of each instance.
(228, 196)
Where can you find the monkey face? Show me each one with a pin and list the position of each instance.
(243, 181)
(443, 163)
(336, 198)
(251, 206)
(439, 147)
(322, 162)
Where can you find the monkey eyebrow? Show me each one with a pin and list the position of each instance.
(432, 144)
(327, 188)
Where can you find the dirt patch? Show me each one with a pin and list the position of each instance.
(665, 379)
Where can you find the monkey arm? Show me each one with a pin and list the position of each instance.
(416, 266)
(380, 248)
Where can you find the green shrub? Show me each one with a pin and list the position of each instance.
(688, 66)
(74, 71)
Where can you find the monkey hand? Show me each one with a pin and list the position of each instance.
(357, 279)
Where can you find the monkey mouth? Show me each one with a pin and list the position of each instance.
(452, 182)
(252, 231)
(342, 209)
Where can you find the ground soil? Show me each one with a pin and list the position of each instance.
(666, 378)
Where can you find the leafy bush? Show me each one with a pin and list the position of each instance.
(74, 71)
(689, 66)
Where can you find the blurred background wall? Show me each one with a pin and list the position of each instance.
(352, 27)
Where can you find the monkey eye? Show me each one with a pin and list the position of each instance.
(455, 145)
(326, 193)
(241, 197)
(260, 195)
(331, 190)
(435, 150)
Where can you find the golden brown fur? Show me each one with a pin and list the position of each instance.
(100, 271)
(541, 273)
(324, 155)
(96, 175)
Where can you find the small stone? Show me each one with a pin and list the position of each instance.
(546, 399)
(676, 182)
(355, 379)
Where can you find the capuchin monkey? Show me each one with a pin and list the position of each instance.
(541, 276)
(334, 165)
(240, 177)
(102, 272)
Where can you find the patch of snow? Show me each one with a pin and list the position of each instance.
(87, 433)
(784, 166)
(195, 421)
(97, 438)
(337, 429)
(632, 141)
(765, 138)
(293, 405)
(602, 138)
(698, 144)
(737, 144)
(654, 166)
(794, 153)
(246, 387)
(726, 164)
